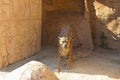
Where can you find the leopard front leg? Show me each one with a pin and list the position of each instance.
(59, 66)
(70, 61)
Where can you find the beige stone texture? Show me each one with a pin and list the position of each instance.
(20, 29)
(32, 70)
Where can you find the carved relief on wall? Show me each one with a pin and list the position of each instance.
(20, 29)
(26, 8)
(19, 8)
(5, 9)
(18, 40)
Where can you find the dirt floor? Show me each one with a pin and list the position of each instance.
(100, 64)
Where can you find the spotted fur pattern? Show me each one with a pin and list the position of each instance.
(65, 47)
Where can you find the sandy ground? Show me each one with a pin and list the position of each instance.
(100, 64)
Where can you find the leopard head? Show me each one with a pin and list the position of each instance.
(63, 42)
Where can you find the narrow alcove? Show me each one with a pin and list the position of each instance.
(57, 14)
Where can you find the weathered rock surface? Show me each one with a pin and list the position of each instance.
(20, 29)
(32, 71)
(105, 18)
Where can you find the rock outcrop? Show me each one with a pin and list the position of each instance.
(107, 15)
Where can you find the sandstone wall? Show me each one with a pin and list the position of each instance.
(20, 29)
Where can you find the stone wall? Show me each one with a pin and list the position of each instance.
(20, 29)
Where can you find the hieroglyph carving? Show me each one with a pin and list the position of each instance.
(20, 29)
(19, 8)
